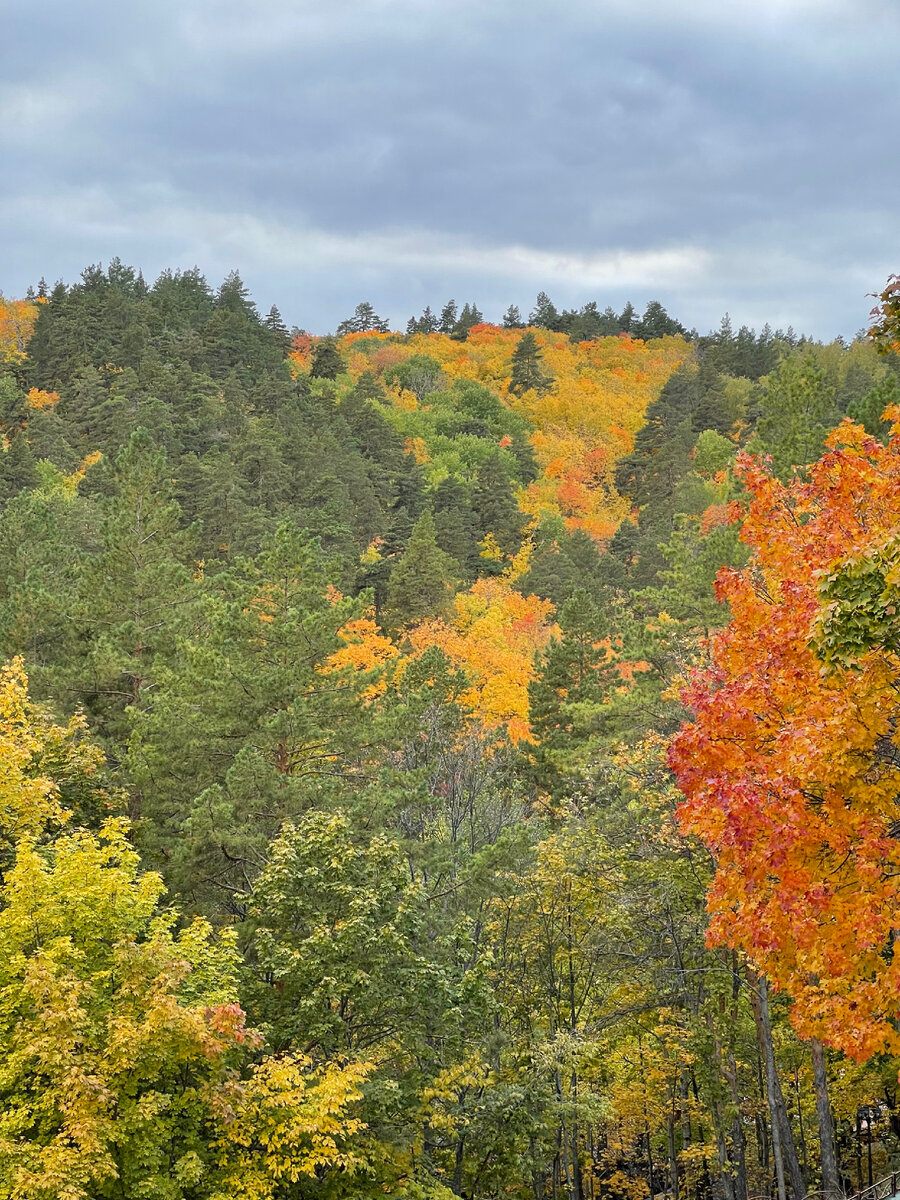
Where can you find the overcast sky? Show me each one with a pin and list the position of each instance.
(737, 155)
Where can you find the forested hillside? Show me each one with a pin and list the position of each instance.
(352, 685)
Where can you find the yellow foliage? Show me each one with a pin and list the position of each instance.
(490, 548)
(365, 649)
(29, 800)
(372, 553)
(587, 422)
(37, 399)
(288, 1122)
(520, 562)
(121, 1043)
(68, 484)
(17, 318)
(443, 1099)
(494, 636)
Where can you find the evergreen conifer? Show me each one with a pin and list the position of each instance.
(421, 581)
(526, 367)
(326, 360)
(448, 317)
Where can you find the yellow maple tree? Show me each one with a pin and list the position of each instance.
(30, 802)
(365, 650)
(17, 319)
(494, 635)
(37, 399)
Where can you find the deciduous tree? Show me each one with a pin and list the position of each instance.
(791, 767)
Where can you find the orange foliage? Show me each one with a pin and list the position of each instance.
(301, 350)
(791, 768)
(383, 359)
(417, 448)
(713, 517)
(17, 319)
(628, 670)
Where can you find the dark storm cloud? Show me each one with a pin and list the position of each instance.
(711, 155)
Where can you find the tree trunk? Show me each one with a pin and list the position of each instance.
(725, 1176)
(577, 1181)
(738, 1139)
(458, 1169)
(831, 1181)
(726, 1064)
(738, 1153)
(673, 1156)
(782, 1134)
(683, 1085)
(858, 1151)
(650, 1166)
(804, 1157)
(707, 1189)
(739, 1157)
(763, 1141)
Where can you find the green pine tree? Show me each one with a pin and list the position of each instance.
(495, 507)
(243, 725)
(18, 470)
(273, 321)
(454, 525)
(797, 410)
(421, 581)
(326, 360)
(569, 698)
(469, 317)
(527, 374)
(545, 314)
(133, 590)
(448, 317)
(868, 410)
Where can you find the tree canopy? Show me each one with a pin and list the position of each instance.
(451, 763)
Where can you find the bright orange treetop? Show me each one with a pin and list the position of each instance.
(791, 768)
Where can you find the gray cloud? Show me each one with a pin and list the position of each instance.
(715, 155)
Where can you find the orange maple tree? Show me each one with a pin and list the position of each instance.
(791, 766)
